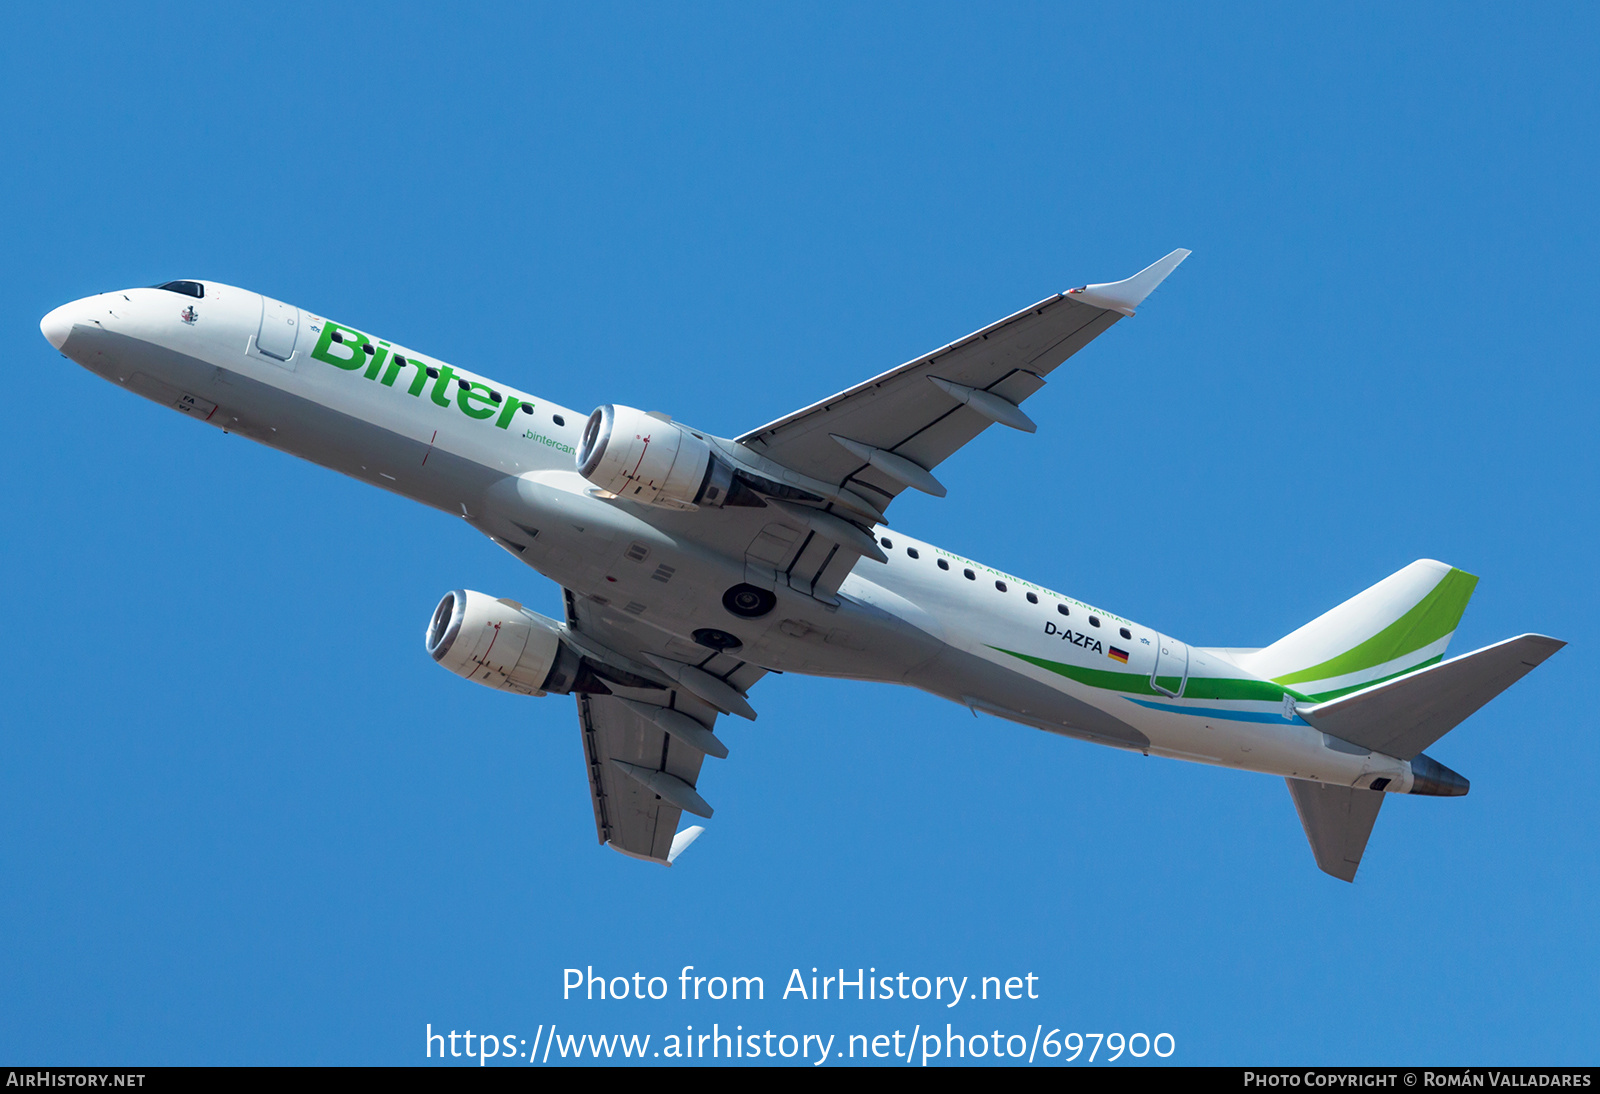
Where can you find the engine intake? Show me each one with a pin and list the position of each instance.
(655, 461)
(502, 645)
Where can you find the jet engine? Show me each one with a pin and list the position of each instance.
(501, 645)
(651, 459)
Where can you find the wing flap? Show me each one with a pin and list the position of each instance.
(933, 442)
(1017, 385)
(640, 778)
(628, 814)
(641, 775)
(810, 550)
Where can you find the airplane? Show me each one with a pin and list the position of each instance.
(692, 564)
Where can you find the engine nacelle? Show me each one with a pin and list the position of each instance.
(639, 457)
(501, 645)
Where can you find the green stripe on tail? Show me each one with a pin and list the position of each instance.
(1430, 619)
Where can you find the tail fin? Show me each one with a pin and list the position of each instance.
(1402, 623)
(1337, 820)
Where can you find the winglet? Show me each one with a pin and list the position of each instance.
(681, 842)
(1125, 296)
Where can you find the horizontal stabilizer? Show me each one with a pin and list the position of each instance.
(1402, 717)
(1337, 820)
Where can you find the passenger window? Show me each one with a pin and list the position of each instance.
(558, 419)
(525, 408)
(431, 371)
(912, 551)
(943, 565)
(1001, 585)
(1126, 633)
(369, 349)
(1062, 608)
(886, 543)
(1032, 599)
(970, 575)
(1094, 621)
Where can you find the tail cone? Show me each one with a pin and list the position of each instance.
(1429, 776)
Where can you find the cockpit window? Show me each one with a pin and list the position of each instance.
(187, 288)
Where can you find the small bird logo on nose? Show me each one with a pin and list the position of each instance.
(189, 315)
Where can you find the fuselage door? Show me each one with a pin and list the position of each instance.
(1171, 670)
(280, 328)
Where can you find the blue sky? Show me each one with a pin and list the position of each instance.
(243, 818)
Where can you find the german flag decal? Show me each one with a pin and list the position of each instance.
(1118, 655)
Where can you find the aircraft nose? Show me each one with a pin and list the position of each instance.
(58, 324)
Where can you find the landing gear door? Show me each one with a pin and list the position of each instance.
(1171, 672)
(280, 329)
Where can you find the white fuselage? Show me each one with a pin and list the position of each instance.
(503, 460)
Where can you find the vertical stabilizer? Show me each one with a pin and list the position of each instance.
(1402, 623)
(1337, 820)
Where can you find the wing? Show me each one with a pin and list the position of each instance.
(884, 435)
(644, 746)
